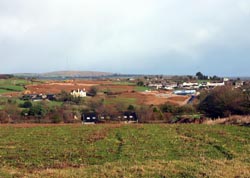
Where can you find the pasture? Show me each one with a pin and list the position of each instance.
(124, 151)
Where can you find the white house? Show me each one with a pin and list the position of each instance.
(155, 85)
(79, 93)
(171, 86)
(209, 84)
(190, 85)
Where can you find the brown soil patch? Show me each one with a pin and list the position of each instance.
(55, 87)
(11, 94)
(125, 91)
(116, 88)
(179, 98)
(153, 99)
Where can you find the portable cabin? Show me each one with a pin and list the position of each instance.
(129, 116)
(90, 118)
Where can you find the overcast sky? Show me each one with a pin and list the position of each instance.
(126, 36)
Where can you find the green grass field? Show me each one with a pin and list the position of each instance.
(141, 88)
(12, 88)
(124, 83)
(125, 151)
(12, 85)
(3, 91)
(125, 101)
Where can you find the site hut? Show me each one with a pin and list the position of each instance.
(89, 118)
(39, 97)
(130, 117)
(28, 96)
(105, 117)
(51, 97)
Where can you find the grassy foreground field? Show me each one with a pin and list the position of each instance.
(124, 151)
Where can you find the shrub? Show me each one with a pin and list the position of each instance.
(145, 114)
(187, 109)
(68, 116)
(169, 108)
(4, 118)
(222, 102)
(131, 108)
(27, 104)
(25, 112)
(38, 110)
(13, 111)
(56, 118)
(140, 83)
(93, 91)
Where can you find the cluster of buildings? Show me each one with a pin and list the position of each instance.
(79, 93)
(39, 97)
(194, 85)
(191, 88)
(51, 97)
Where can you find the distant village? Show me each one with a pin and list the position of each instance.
(119, 98)
(178, 85)
(191, 87)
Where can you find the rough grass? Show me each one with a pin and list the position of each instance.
(233, 120)
(141, 88)
(125, 151)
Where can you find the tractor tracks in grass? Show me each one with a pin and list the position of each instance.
(222, 150)
(102, 133)
(212, 142)
(120, 145)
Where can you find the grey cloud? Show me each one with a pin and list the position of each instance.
(142, 36)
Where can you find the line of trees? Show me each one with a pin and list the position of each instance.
(200, 76)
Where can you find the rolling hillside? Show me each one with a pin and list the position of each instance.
(66, 74)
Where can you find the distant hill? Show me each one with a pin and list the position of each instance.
(65, 74)
(76, 74)
(5, 76)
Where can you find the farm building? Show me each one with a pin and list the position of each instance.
(79, 93)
